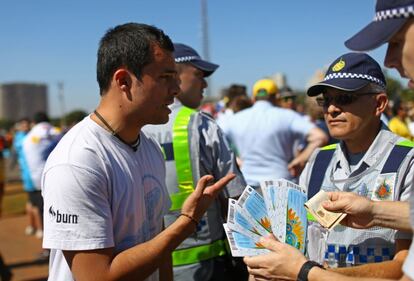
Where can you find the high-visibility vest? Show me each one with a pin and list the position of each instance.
(324, 157)
(352, 252)
(181, 150)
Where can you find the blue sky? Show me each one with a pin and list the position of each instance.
(49, 41)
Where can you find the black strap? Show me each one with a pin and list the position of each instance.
(320, 165)
(306, 267)
(396, 157)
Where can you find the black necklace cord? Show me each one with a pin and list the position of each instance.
(113, 132)
(134, 146)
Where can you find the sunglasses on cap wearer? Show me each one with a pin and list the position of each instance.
(340, 99)
(292, 98)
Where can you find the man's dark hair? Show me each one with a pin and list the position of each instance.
(40, 117)
(128, 45)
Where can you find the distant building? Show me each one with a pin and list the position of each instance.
(280, 79)
(18, 100)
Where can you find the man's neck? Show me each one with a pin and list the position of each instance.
(119, 123)
(362, 142)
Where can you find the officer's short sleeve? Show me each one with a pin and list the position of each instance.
(217, 158)
(77, 213)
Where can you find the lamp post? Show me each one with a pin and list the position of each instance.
(61, 97)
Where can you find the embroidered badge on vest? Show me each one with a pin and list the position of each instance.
(384, 187)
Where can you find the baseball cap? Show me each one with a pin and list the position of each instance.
(287, 92)
(186, 54)
(350, 72)
(264, 87)
(390, 16)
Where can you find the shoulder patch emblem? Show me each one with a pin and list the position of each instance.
(384, 187)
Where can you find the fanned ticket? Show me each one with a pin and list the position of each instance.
(326, 218)
(289, 184)
(275, 193)
(252, 216)
(296, 220)
(276, 203)
(236, 221)
(252, 206)
(242, 245)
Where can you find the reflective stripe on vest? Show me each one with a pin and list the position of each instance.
(199, 253)
(181, 149)
(182, 158)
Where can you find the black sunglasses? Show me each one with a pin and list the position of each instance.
(340, 99)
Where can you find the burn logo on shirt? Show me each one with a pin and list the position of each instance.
(60, 217)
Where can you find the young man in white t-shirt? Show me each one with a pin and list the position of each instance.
(104, 184)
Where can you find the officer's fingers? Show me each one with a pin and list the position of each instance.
(335, 206)
(257, 273)
(202, 184)
(333, 196)
(271, 243)
(219, 185)
(253, 262)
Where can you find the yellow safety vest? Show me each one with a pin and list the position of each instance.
(182, 158)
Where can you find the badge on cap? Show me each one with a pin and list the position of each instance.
(339, 65)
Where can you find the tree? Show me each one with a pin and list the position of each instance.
(74, 117)
(6, 124)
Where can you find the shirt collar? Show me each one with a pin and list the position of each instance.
(382, 141)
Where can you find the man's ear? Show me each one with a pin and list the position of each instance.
(122, 79)
(382, 103)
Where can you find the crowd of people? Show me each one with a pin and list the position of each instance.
(139, 189)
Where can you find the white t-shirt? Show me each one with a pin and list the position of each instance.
(99, 193)
(36, 148)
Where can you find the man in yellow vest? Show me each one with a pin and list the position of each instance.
(194, 146)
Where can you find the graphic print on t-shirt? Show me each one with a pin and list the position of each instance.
(152, 191)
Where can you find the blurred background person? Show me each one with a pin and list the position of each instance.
(22, 128)
(264, 136)
(398, 123)
(286, 98)
(230, 95)
(36, 149)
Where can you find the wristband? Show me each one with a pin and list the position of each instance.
(306, 267)
(191, 218)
